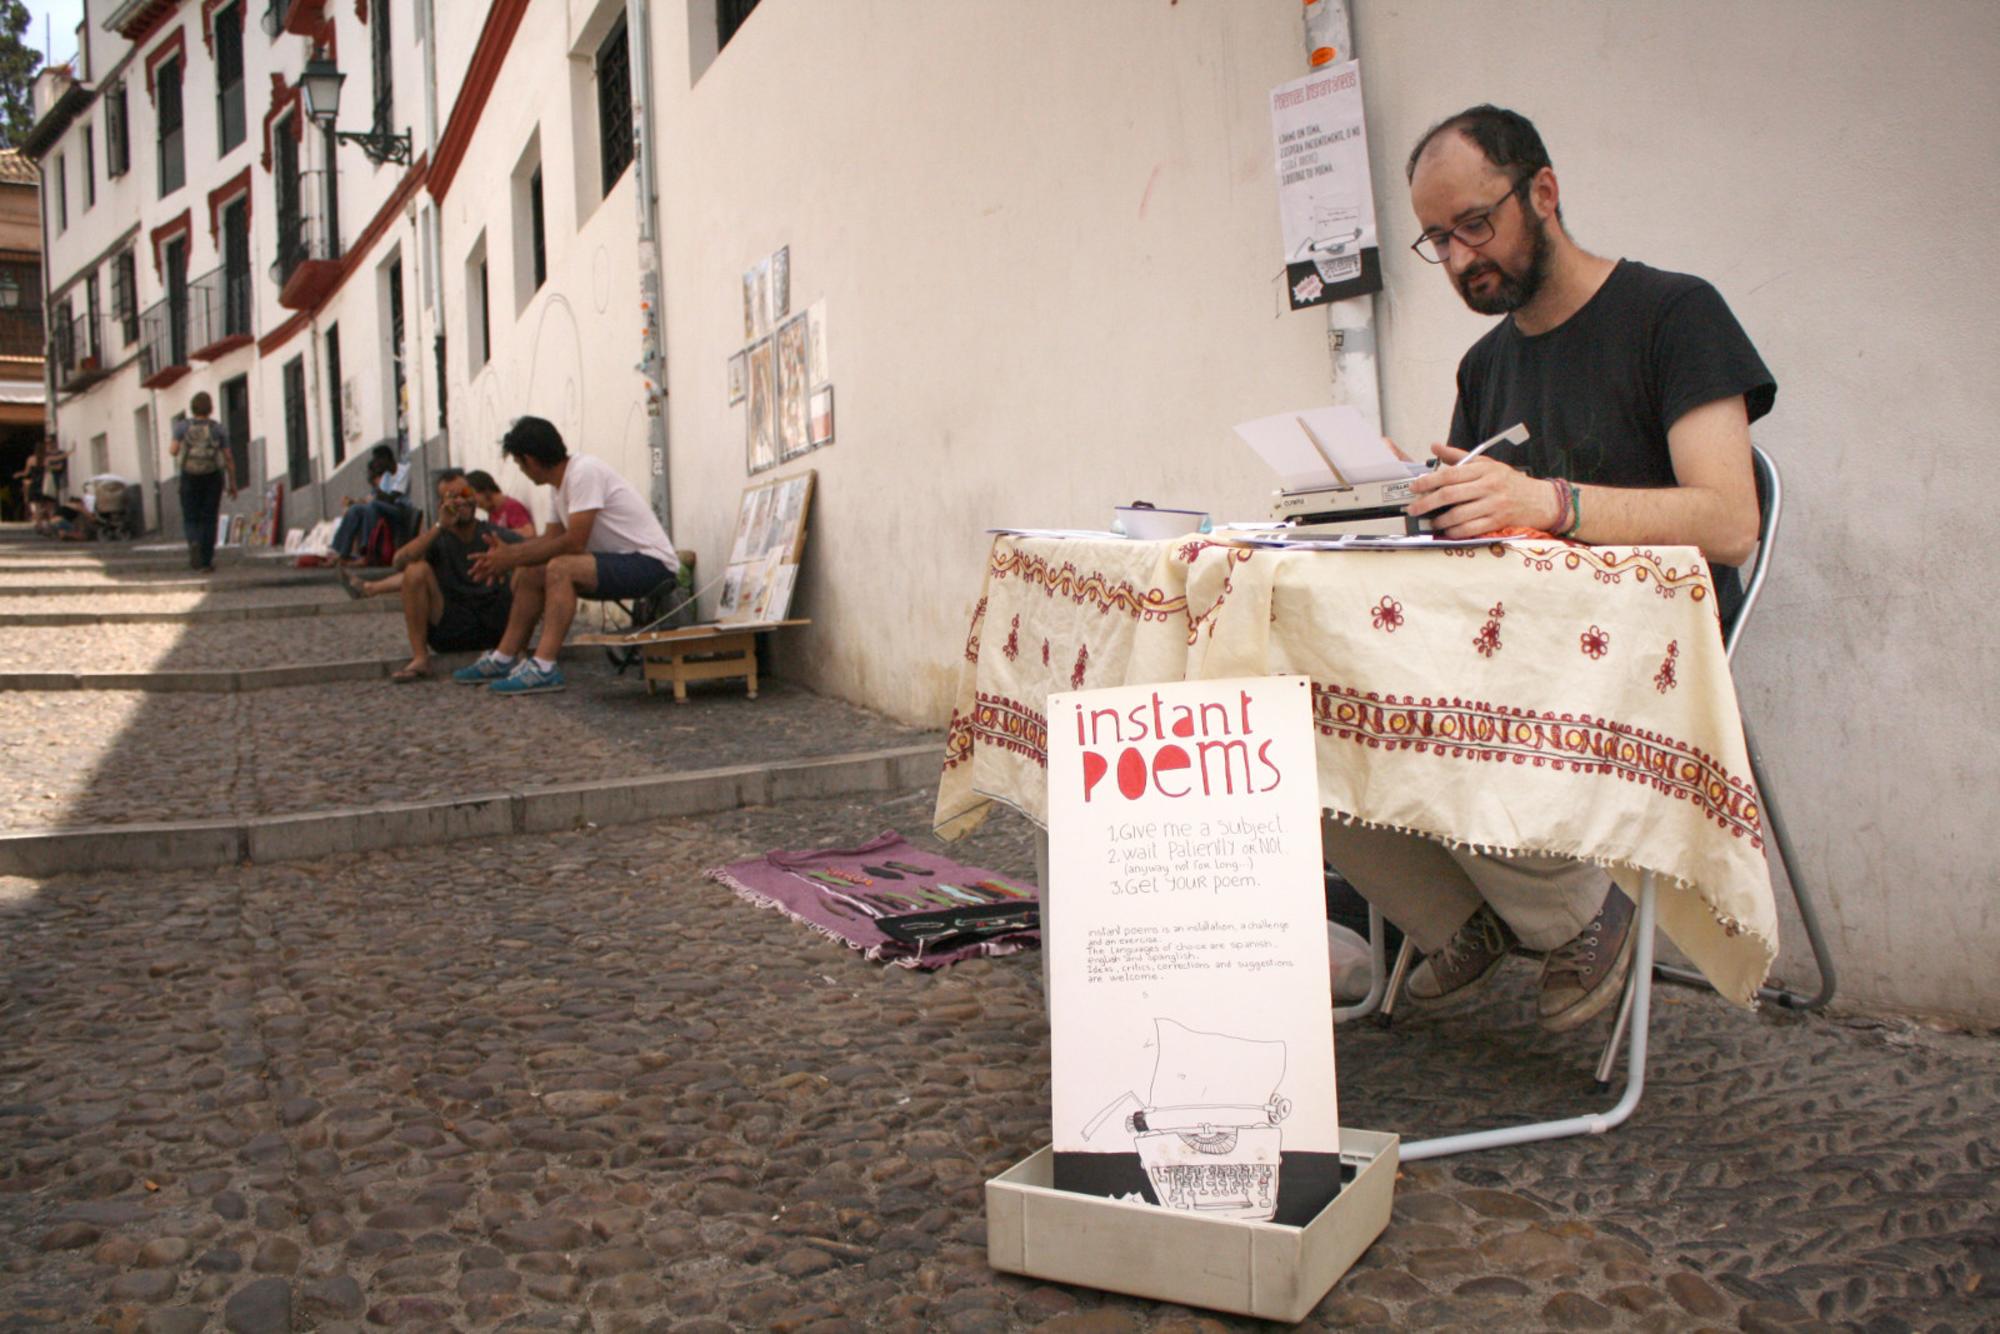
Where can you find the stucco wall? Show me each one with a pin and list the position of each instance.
(1046, 239)
(1829, 168)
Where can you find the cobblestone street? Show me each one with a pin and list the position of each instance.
(562, 1081)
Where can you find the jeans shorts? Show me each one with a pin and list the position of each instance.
(626, 574)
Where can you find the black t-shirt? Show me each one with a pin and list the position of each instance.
(1599, 391)
(452, 559)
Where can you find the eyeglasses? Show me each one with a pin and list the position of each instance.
(1474, 232)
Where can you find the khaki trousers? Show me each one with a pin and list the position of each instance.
(1430, 890)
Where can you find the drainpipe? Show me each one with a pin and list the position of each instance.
(652, 364)
(1350, 324)
(427, 219)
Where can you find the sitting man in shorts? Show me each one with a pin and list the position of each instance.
(445, 608)
(605, 543)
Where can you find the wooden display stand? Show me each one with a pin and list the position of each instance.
(696, 653)
(770, 536)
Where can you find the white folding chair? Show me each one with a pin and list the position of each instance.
(1635, 1007)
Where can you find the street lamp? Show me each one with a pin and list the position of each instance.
(319, 84)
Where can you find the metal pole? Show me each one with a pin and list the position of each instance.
(652, 364)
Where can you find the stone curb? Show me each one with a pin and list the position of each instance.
(228, 680)
(532, 810)
(206, 615)
(219, 584)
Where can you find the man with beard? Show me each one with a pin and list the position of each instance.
(1638, 388)
(447, 608)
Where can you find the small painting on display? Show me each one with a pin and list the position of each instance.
(821, 426)
(739, 377)
(816, 341)
(791, 358)
(762, 419)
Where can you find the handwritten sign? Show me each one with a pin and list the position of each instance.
(1193, 1029)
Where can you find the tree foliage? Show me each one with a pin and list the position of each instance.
(18, 62)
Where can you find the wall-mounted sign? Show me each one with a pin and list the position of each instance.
(1326, 203)
(1185, 924)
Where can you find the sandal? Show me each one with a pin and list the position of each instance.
(405, 675)
(350, 585)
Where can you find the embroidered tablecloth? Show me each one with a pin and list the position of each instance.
(1525, 696)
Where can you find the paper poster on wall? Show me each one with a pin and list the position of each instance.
(821, 426)
(739, 377)
(1189, 998)
(1326, 204)
(792, 435)
(816, 341)
(781, 283)
(762, 419)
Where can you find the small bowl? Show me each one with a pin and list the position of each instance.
(1151, 524)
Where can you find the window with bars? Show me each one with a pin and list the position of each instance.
(382, 55)
(298, 445)
(117, 132)
(125, 294)
(336, 411)
(614, 104)
(228, 29)
(93, 345)
(538, 233)
(729, 16)
(167, 103)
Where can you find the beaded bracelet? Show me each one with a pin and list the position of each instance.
(1562, 506)
(1576, 511)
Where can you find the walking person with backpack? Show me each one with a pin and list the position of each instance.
(202, 447)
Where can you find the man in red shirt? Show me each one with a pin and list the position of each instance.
(502, 511)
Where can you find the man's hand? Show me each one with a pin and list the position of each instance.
(491, 564)
(1481, 496)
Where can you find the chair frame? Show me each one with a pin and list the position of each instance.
(1634, 1015)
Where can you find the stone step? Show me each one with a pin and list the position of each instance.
(227, 680)
(206, 615)
(525, 810)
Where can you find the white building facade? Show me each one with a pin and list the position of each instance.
(1047, 241)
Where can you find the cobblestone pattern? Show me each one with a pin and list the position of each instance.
(117, 757)
(564, 1083)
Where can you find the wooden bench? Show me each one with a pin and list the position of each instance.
(717, 652)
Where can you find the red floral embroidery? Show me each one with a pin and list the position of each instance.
(1076, 676)
(1012, 648)
(1484, 732)
(1487, 641)
(1387, 614)
(1234, 557)
(972, 632)
(1665, 679)
(1189, 551)
(1595, 642)
(1045, 653)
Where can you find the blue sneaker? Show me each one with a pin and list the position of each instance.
(485, 671)
(528, 679)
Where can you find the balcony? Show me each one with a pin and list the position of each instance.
(308, 263)
(78, 348)
(163, 343)
(305, 18)
(21, 331)
(219, 313)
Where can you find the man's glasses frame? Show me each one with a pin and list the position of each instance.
(1474, 232)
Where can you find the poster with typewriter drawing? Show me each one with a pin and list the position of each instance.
(1189, 998)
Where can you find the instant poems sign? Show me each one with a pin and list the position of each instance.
(1192, 1018)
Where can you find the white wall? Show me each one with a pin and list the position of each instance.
(1047, 241)
(565, 352)
(1830, 167)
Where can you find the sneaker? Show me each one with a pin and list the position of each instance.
(485, 671)
(528, 679)
(1468, 960)
(1585, 974)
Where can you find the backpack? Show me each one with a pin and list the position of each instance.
(201, 454)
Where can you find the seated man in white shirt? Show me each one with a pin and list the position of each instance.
(605, 543)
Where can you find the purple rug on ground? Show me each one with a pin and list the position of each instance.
(893, 902)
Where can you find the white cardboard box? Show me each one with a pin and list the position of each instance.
(1247, 1268)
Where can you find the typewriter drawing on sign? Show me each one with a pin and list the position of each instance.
(1208, 1135)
